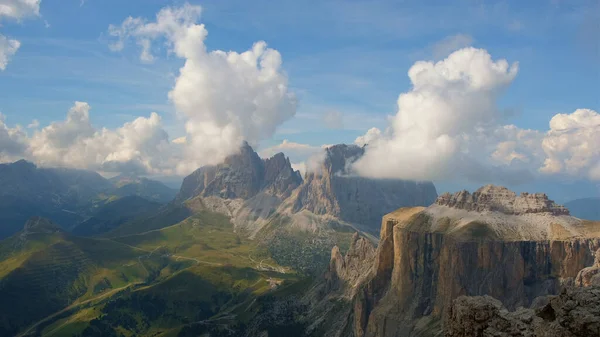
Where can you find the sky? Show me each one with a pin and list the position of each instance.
(463, 94)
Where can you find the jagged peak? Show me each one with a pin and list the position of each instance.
(501, 199)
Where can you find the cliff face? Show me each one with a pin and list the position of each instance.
(349, 271)
(574, 312)
(427, 258)
(332, 189)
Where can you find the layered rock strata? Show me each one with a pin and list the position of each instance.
(427, 257)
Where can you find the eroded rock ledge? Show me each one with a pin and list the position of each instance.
(500, 199)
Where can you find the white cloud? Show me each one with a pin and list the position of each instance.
(14, 9)
(333, 119)
(34, 124)
(8, 48)
(19, 9)
(372, 136)
(450, 44)
(13, 141)
(572, 145)
(304, 157)
(224, 97)
(141, 145)
(437, 129)
(297, 152)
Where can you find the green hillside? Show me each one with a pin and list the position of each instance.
(115, 213)
(162, 282)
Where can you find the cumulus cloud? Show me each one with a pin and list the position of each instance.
(296, 151)
(141, 145)
(13, 141)
(224, 97)
(572, 145)
(8, 48)
(19, 9)
(434, 134)
(372, 136)
(333, 119)
(450, 44)
(34, 124)
(14, 9)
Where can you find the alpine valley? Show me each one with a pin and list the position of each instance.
(250, 247)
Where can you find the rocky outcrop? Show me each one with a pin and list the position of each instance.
(349, 271)
(573, 313)
(427, 257)
(334, 190)
(492, 198)
(590, 276)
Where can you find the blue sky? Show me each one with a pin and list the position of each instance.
(350, 57)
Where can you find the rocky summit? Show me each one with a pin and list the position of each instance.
(242, 175)
(500, 199)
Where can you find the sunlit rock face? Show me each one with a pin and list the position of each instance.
(512, 248)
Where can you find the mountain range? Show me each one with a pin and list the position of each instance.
(67, 196)
(250, 247)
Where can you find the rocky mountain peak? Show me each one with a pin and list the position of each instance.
(493, 198)
(339, 157)
(242, 175)
(336, 191)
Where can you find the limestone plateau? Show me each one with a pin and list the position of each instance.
(501, 199)
(516, 250)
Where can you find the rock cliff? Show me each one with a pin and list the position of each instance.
(351, 270)
(427, 257)
(334, 190)
(492, 198)
(574, 312)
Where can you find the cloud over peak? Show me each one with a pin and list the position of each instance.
(436, 120)
(224, 97)
(448, 127)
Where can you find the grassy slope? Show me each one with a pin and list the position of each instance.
(211, 272)
(114, 213)
(46, 272)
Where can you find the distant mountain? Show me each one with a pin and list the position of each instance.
(66, 196)
(130, 184)
(115, 213)
(587, 208)
(60, 194)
